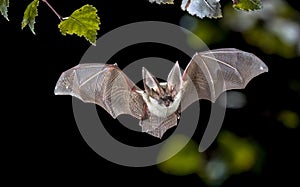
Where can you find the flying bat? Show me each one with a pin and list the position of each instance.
(159, 105)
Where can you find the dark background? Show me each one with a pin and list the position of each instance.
(44, 144)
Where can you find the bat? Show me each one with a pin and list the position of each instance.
(159, 105)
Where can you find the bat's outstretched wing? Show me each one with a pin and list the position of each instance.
(212, 72)
(102, 84)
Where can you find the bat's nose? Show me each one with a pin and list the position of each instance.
(167, 103)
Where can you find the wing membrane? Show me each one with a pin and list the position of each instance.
(102, 84)
(212, 72)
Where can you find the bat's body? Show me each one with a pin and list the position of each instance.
(159, 110)
(159, 106)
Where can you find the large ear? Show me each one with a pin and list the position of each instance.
(175, 78)
(150, 82)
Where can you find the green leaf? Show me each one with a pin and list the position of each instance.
(247, 5)
(29, 15)
(4, 4)
(82, 22)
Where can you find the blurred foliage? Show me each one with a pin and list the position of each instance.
(275, 29)
(289, 119)
(247, 4)
(241, 154)
(185, 162)
(232, 155)
(206, 30)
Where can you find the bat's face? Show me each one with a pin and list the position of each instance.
(163, 98)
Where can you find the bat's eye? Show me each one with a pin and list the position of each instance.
(156, 91)
(153, 92)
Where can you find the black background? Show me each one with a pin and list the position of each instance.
(44, 144)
